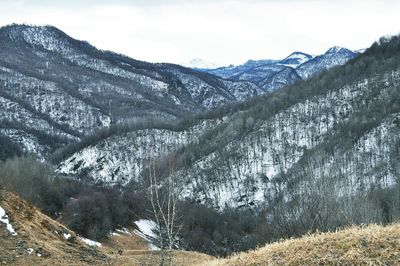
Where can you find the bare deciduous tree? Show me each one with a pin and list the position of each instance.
(164, 194)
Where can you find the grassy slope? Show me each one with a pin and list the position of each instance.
(135, 252)
(45, 235)
(371, 245)
(42, 234)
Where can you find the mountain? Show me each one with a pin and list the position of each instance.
(338, 131)
(230, 71)
(198, 63)
(296, 59)
(55, 89)
(262, 72)
(333, 57)
(287, 76)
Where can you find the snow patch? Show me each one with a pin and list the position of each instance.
(4, 220)
(66, 236)
(91, 243)
(123, 231)
(146, 229)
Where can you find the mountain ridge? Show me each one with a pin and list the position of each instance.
(261, 72)
(236, 161)
(66, 87)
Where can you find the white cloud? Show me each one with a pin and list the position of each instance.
(225, 31)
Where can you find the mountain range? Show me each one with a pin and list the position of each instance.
(274, 145)
(55, 89)
(270, 75)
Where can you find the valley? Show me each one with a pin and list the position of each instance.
(214, 162)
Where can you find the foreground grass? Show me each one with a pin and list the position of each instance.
(45, 236)
(370, 245)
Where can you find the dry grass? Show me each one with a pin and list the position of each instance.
(145, 257)
(135, 252)
(124, 241)
(371, 245)
(42, 234)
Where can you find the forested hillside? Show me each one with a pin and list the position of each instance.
(320, 154)
(54, 89)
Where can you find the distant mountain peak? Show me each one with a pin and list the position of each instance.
(48, 37)
(20, 30)
(200, 63)
(295, 59)
(337, 49)
(298, 55)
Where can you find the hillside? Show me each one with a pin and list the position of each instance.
(39, 240)
(54, 89)
(323, 127)
(371, 245)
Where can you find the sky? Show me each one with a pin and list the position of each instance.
(221, 31)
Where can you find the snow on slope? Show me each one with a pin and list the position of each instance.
(91, 243)
(4, 220)
(296, 59)
(146, 230)
(334, 56)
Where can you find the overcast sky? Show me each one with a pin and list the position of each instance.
(223, 31)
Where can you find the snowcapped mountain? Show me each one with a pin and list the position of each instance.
(261, 72)
(231, 71)
(333, 57)
(55, 89)
(198, 63)
(296, 59)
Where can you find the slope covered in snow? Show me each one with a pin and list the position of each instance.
(4, 220)
(275, 147)
(334, 56)
(296, 59)
(55, 89)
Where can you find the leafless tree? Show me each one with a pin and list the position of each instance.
(164, 194)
